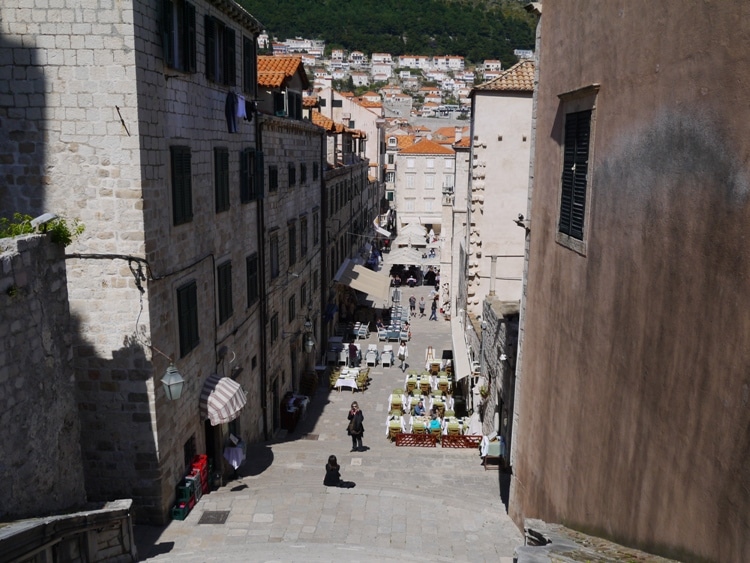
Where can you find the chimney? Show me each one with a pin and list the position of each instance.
(459, 134)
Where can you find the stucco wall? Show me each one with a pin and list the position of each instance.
(38, 409)
(634, 418)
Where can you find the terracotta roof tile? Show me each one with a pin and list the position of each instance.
(464, 143)
(273, 71)
(403, 141)
(518, 78)
(425, 146)
(322, 121)
(310, 102)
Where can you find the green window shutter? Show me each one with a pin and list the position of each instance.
(575, 173)
(187, 317)
(182, 196)
(210, 28)
(260, 175)
(230, 63)
(224, 283)
(190, 32)
(221, 178)
(249, 66)
(168, 31)
(251, 264)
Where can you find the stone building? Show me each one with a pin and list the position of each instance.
(139, 120)
(37, 395)
(632, 395)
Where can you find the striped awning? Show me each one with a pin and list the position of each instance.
(221, 399)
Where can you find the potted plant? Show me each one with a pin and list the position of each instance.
(484, 391)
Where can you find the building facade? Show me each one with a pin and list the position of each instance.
(632, 413)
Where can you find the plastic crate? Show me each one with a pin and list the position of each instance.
(180, 511)
(195, 483)
(184, 493)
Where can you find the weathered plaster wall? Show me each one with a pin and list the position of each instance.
(635, 410)
(38, 409)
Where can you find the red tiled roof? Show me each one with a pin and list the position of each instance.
(425, 146)
(273, 71)
(518, 78)
(310, 102)
(403, 141)
(464, 143)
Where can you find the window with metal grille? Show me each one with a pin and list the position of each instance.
(575, 173)
(248, 190)
(224, 283)
(220, 52)
(187, 317)
(221, 178)
(178, 35)
(182, 193)
(251, 268)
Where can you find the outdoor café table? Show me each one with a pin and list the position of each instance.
(394, 421)
(422, 419)
(348, 378)
(450, 420)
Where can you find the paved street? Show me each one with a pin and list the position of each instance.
(418, 504)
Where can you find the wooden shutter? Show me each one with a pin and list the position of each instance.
(210, 48)
(249, 66)
(182, 196)
(168, 31)
(575, 173)
(221, 178)
(189, 37)
(224, 279)
(247, 175)
(230, 62)
(187, 315)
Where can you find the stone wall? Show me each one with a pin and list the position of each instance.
(40, 456)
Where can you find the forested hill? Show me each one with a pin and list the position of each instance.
(475, 29)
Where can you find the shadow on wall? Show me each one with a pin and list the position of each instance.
(22, 163)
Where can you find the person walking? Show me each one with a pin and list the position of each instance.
(403, 353)
(433, 313)
(356, 429)
(333, 475)
(412, 306)
(422, 305)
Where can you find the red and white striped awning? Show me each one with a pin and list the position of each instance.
(221, 399)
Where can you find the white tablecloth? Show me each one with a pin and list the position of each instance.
(391, 418)
(345, 382)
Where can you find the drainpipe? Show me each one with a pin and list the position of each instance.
(263, 317)
(493, 267)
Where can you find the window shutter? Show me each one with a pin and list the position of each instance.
(168, 31)
(187, 315)
(260, 175)
(230, 62)
(189, 39)
(210, 48)
(182, 198)
(249, 66)
(221, 178)
(574, 174)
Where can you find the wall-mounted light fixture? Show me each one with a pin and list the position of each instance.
(172, 379)
(309, 341)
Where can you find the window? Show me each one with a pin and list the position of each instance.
(429, 182)
(316, 171)
(178, 32)
(410, 181)
(302, 173)
(249, 66)
(274, 327)
(221, 178)
(392, 142)
(279, 104)
(303, 236)
(410, 204)
(251, 268)
(337, 103)
(292, 174)
(182, 192)
(224, 283)
(316, 228)
(390, 177)
(315, 280)
(273, 178)
(410, 163)
(274, 255)
(187, 317)
(292, 244)
(220, 52)
(430, 163)
(247, 176)
(294, 104)
(391, 158)
(389, 196)
(575, 173)
(429, 204)
(291, 309)
(448, 164)
(303, 294)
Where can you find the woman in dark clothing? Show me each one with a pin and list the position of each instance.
(356, 428)
(333, 475)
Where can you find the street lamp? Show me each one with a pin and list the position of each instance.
(309, 340)
(173, 383)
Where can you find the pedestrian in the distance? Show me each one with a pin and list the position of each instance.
(403, 353)
(356, 429)
(412, 306)
(333, 475)
(433, 313)
(422, 305)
